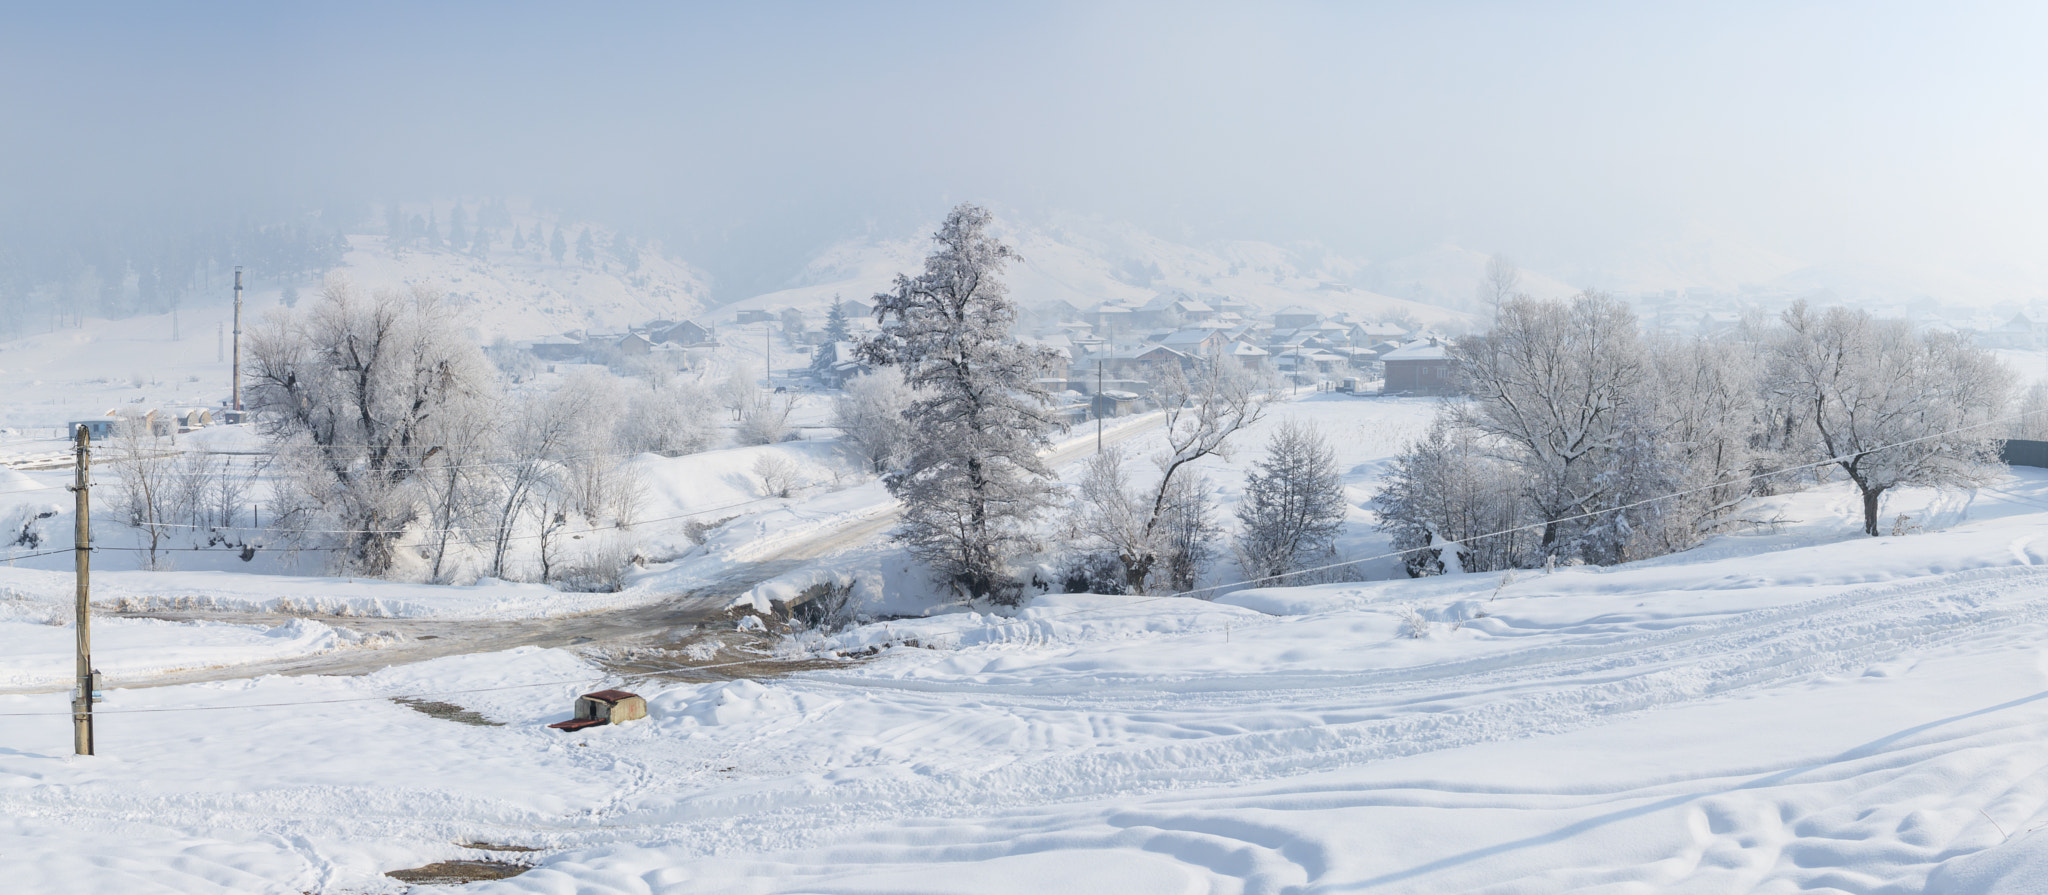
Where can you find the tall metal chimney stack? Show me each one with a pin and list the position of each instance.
(238, 338)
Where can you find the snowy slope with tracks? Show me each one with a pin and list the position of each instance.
(1800, 709)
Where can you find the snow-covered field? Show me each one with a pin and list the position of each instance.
(1789, 707)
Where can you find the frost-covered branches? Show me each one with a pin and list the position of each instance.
(357, 388)
(1446, 492)
(1555, 384)
(1292, 509)
(871, 416)
(1617, 449)
(671, 418)
(973, 478)
(1890, 407)
(146, 467)
(1163, 531)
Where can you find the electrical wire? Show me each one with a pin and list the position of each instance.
(1122, 606)
(272, 705)
(32, 555)
(437, 531)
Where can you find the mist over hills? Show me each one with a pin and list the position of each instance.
(491, 258)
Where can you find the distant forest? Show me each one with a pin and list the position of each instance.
(55, 276)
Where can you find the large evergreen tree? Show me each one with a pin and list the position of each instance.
(586, 248)
(973, 480)
(558, 246)
(836, 328)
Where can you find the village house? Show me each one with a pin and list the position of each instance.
(687, 334)
(1251, 356)
(556, 347)
(1145, 363)
(1366, 335)
(1422, 367)
(1197, 342)
(1295, 317)
(633, 345)
(1110, 317)
(2019, 332)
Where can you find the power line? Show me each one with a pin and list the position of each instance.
(436, 531)
(265, 705)
(1089, 610)
(29, 556)
(1507, 531)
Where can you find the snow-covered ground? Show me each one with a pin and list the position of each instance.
(1789, 707)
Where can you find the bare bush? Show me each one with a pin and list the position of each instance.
(778, 474)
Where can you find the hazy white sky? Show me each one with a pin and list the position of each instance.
(1563, 133)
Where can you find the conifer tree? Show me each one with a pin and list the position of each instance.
(836, 328)
(586, 248)
(973, 480)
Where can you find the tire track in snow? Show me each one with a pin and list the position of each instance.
(1541, 695)
(783, 802)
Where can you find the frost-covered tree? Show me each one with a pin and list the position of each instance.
(230, 493)
(1203, 410)
(2032, 421)
(456, 483)
(1887, 405)
(1293, 507)
(871, 416)
(193, 485)
(558, 245)
(1706, 397)
(566, 476)
(764, 419)
(1452, 505)
(1503, 281)
(738, 391)
(1188, 532)
(836, 327)
(353, 392)
(146, 467)
(778, 475)
(1557, 385)
(974, 479)
(670, 418)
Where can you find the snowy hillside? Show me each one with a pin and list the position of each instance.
(1084, 262)
(525, 293)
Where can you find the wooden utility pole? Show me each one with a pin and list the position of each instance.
(238, 338)
(81, 702)
(1098, 405)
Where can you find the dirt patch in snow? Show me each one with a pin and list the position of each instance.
(455, 873)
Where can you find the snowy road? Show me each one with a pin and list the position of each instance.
(1852, 716)
(667, 621)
